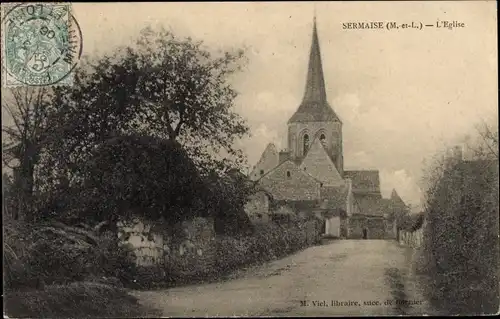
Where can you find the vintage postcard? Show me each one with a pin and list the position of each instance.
(250, 159)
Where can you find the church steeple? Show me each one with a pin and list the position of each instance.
(314, 118)
(314, 106)
(315, 84)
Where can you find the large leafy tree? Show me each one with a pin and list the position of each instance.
(160, 86)
(141, 176)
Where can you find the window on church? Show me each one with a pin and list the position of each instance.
(306, 143)
(261, 172)
(288, 174)
(322, 139)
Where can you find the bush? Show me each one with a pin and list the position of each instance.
(223, 256)
(58, 254)
(82, 299)
(461, 242)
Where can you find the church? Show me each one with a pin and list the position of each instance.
(309, 175)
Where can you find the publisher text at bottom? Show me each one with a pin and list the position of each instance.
(353, 303)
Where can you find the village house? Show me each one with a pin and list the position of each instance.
(309, 175)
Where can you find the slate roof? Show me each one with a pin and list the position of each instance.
(364, 180)
(314, 112)
(298, 204)
(327, 175)
(298, 169)
(314, 106)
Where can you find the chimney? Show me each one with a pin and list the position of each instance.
(458, 152)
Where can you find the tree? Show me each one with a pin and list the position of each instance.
(228, 195)
(485, 144)
(188, 95)
(140, 176)
(462, 227)
(30, 110)
(160, 86)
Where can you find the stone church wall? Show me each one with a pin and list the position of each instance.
(332, 131)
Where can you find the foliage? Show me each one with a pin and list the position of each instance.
(82, 299)
(29, 110)
(57, 253)
(461, 237)
(188, 95)
(228, 195)
(145, 176)
(162, 86)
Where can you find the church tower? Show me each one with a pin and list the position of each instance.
(314, 118)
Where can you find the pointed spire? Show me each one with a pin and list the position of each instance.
(396, 199)
(315, 84)
(314, 106)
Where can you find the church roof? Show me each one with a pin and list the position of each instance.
(364, 180)
(325, 171)
(294, 165)
(314, 106)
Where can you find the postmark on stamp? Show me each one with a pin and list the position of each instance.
(41, 44)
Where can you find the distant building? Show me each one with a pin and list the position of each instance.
(310, 173)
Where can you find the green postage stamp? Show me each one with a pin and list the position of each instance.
(41, 44)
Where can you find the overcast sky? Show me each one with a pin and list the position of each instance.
(401, 94)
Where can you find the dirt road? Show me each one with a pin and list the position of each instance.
(345, 277)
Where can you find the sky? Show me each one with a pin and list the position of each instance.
(401, 94)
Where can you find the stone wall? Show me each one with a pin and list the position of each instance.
(148, 246)
(257, 207)
(157, 245)
(192, 248)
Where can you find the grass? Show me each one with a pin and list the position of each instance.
(76, 300)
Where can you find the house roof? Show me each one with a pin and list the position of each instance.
(364, 180)
(295, 165)
(314, 106)
(298, 205)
